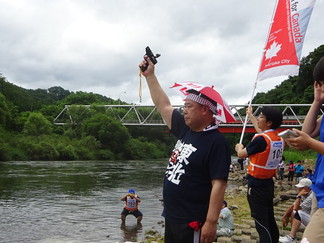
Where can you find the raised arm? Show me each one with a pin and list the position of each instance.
(137, 198)
(123, 198)
(159, 97)
(312, 123)
(249, 112)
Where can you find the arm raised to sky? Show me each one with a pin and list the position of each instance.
(159, 97)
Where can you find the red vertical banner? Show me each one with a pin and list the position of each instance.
(286, 37)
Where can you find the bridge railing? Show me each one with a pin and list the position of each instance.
(146, 115)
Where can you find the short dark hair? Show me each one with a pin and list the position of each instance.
(318, 72)
(273, 115)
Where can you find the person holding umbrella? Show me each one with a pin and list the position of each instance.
(265, 153)
(197, 171)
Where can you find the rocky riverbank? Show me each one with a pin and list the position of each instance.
(285, 193)
(283, 189)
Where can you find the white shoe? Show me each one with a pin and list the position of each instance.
(287, 239)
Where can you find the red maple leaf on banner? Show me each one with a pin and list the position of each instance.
(273, 50)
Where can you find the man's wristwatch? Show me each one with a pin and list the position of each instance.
(298, 197)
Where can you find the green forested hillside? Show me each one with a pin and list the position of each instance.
(27, 130)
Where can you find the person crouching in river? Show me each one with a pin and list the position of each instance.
(131, 206)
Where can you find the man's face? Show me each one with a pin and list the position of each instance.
(192, 113)
(263, 124)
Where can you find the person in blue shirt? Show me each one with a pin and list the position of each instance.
(312, 128)
(299, 169)
(310, 174)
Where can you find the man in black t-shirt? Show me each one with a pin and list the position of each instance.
(196, 176)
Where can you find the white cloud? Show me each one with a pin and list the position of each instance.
(95, 46)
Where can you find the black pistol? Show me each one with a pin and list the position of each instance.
(152, 57)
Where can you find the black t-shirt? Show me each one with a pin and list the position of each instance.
(197, 159)
(258, 145)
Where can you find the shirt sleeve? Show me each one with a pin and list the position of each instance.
(220, 159)
(258, 145)
(177, 123)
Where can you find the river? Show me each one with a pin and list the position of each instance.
(77, 201)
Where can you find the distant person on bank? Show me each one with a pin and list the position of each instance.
(291, 170)
(225, 225)
(299, 169)
(299, 212)
(281, 168)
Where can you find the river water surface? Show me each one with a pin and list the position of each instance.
(77, 201)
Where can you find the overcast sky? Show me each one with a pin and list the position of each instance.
(96, 45)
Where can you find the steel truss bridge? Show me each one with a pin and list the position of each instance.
(145, 115)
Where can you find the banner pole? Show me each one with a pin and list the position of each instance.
(256, 81)
(246, 117)
(277, 40)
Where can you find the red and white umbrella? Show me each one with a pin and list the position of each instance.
(224, 113)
